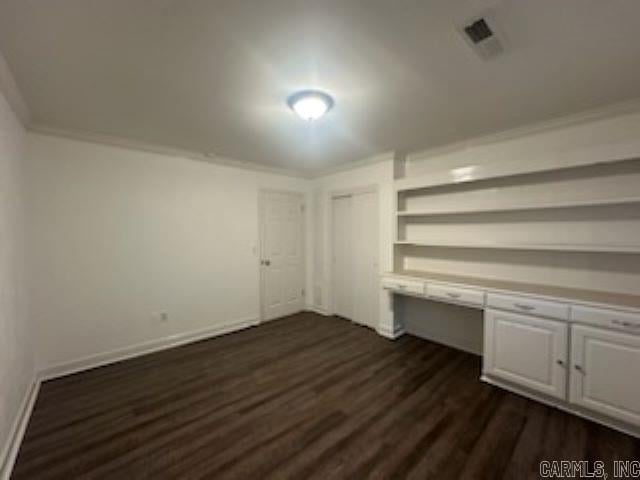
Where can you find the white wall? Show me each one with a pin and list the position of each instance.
(119, 236)
(378, 174)
(16, 352)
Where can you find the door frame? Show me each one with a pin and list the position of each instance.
(260, 246)
(337, 193)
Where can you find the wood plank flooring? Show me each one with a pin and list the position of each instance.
(303, 397)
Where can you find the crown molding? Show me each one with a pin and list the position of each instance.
(129, 144)
(610, 111)
(11, 92)
(601, 113)
(382, 157)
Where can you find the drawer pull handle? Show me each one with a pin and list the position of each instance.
(625, 324)
(402, 287)
(453, 295)
(522, 306)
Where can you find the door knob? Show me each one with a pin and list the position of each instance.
(266, 263)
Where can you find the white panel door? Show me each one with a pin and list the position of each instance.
(343, 261)
(282, 257)
(365, 258)
(605, 372)
(527, 351)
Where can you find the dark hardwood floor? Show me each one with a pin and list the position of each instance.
(302, 397)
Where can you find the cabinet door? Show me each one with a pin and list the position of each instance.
(527, 351)
(605, 372)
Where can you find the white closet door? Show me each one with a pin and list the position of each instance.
(343, 261)
(365, 257)
(282, 262)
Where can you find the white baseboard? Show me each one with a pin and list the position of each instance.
(145, 348)
(12, 447)
(318, 310)
(18, 429)
(390, 334)
(564, 406)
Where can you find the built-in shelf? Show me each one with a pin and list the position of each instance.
(510, 168)
(526, 246)
(522, 207)
(555, 292)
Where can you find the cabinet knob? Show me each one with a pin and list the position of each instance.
(560, 362)
(579, 368)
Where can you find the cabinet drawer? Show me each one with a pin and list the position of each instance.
(531, 306)
(403, 285)
(603, 317)
(456, 295)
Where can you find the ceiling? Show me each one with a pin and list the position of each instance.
(212, 76)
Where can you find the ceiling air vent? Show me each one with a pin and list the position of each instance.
(481, 38)
(478, 31)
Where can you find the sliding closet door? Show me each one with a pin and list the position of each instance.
(365, 259)
(355, 277)
(343, 265)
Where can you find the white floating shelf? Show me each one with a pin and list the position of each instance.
(527, 246)
(522, 207)
(501, 169)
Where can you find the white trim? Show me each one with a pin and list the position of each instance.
(123, 142)
(129, 144)
(382, 157)
(390, 334)
(613, 110)
(563, 405)
(608, 111)
(319, 310)
(18, 429)
(350, 192)
(12, 447)
(10, 90)
(144, 348)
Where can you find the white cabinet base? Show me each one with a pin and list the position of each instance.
(562, 405)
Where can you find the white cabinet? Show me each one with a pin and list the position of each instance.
(527, 351)
(605, 372)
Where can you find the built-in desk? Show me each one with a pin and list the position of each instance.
(575, 349)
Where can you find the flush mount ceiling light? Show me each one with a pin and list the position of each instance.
(310, 104)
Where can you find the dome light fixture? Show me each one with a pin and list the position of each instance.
(310, 105)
